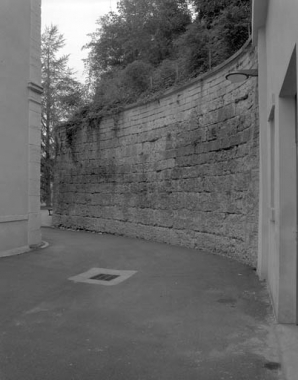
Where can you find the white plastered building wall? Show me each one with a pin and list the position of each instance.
(20, 113)
(275, 32)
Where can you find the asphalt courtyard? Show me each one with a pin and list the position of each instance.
(179, 314)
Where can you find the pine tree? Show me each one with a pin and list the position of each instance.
(62, 95)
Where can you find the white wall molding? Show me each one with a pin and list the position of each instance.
(13, 218)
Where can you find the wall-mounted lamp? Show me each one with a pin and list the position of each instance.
(241, 75)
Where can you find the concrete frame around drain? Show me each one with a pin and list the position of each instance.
(85, 277)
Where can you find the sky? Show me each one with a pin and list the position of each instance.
(75, 19)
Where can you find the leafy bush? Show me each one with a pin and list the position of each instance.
(233, 27)
(193, 47)
(136, 76)
(165, 75)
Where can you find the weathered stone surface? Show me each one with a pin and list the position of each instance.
(181, 170)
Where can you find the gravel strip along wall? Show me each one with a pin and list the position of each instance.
(182, 169)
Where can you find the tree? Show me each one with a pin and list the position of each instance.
(62, 95)
(233, 25)
(142, 30)
(220, 28)
(193, 49)
(210, 9)
(150, 45)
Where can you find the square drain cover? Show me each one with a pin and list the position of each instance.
(103, 276)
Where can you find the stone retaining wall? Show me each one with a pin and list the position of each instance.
(181, 170)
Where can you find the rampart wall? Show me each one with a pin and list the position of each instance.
(181, 170)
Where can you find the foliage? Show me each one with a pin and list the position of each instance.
(120, 87)
(228, 22)
(61, 97)
(142, 30)
(136, 76)
(208, 10)
(193, 47)
(165, 75)
(233, 26)
(151, 45)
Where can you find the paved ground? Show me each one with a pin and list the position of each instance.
(46, 219)
(184, 315)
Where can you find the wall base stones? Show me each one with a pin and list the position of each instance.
(181, 170)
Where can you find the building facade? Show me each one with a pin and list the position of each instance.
(20, 113)
(275, 33)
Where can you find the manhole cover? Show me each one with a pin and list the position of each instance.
(103, 276)
(273, 366)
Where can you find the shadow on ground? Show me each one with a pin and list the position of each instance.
(184, 315)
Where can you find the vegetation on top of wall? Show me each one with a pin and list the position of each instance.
(148, 46)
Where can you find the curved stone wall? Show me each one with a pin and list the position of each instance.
(181, 170)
